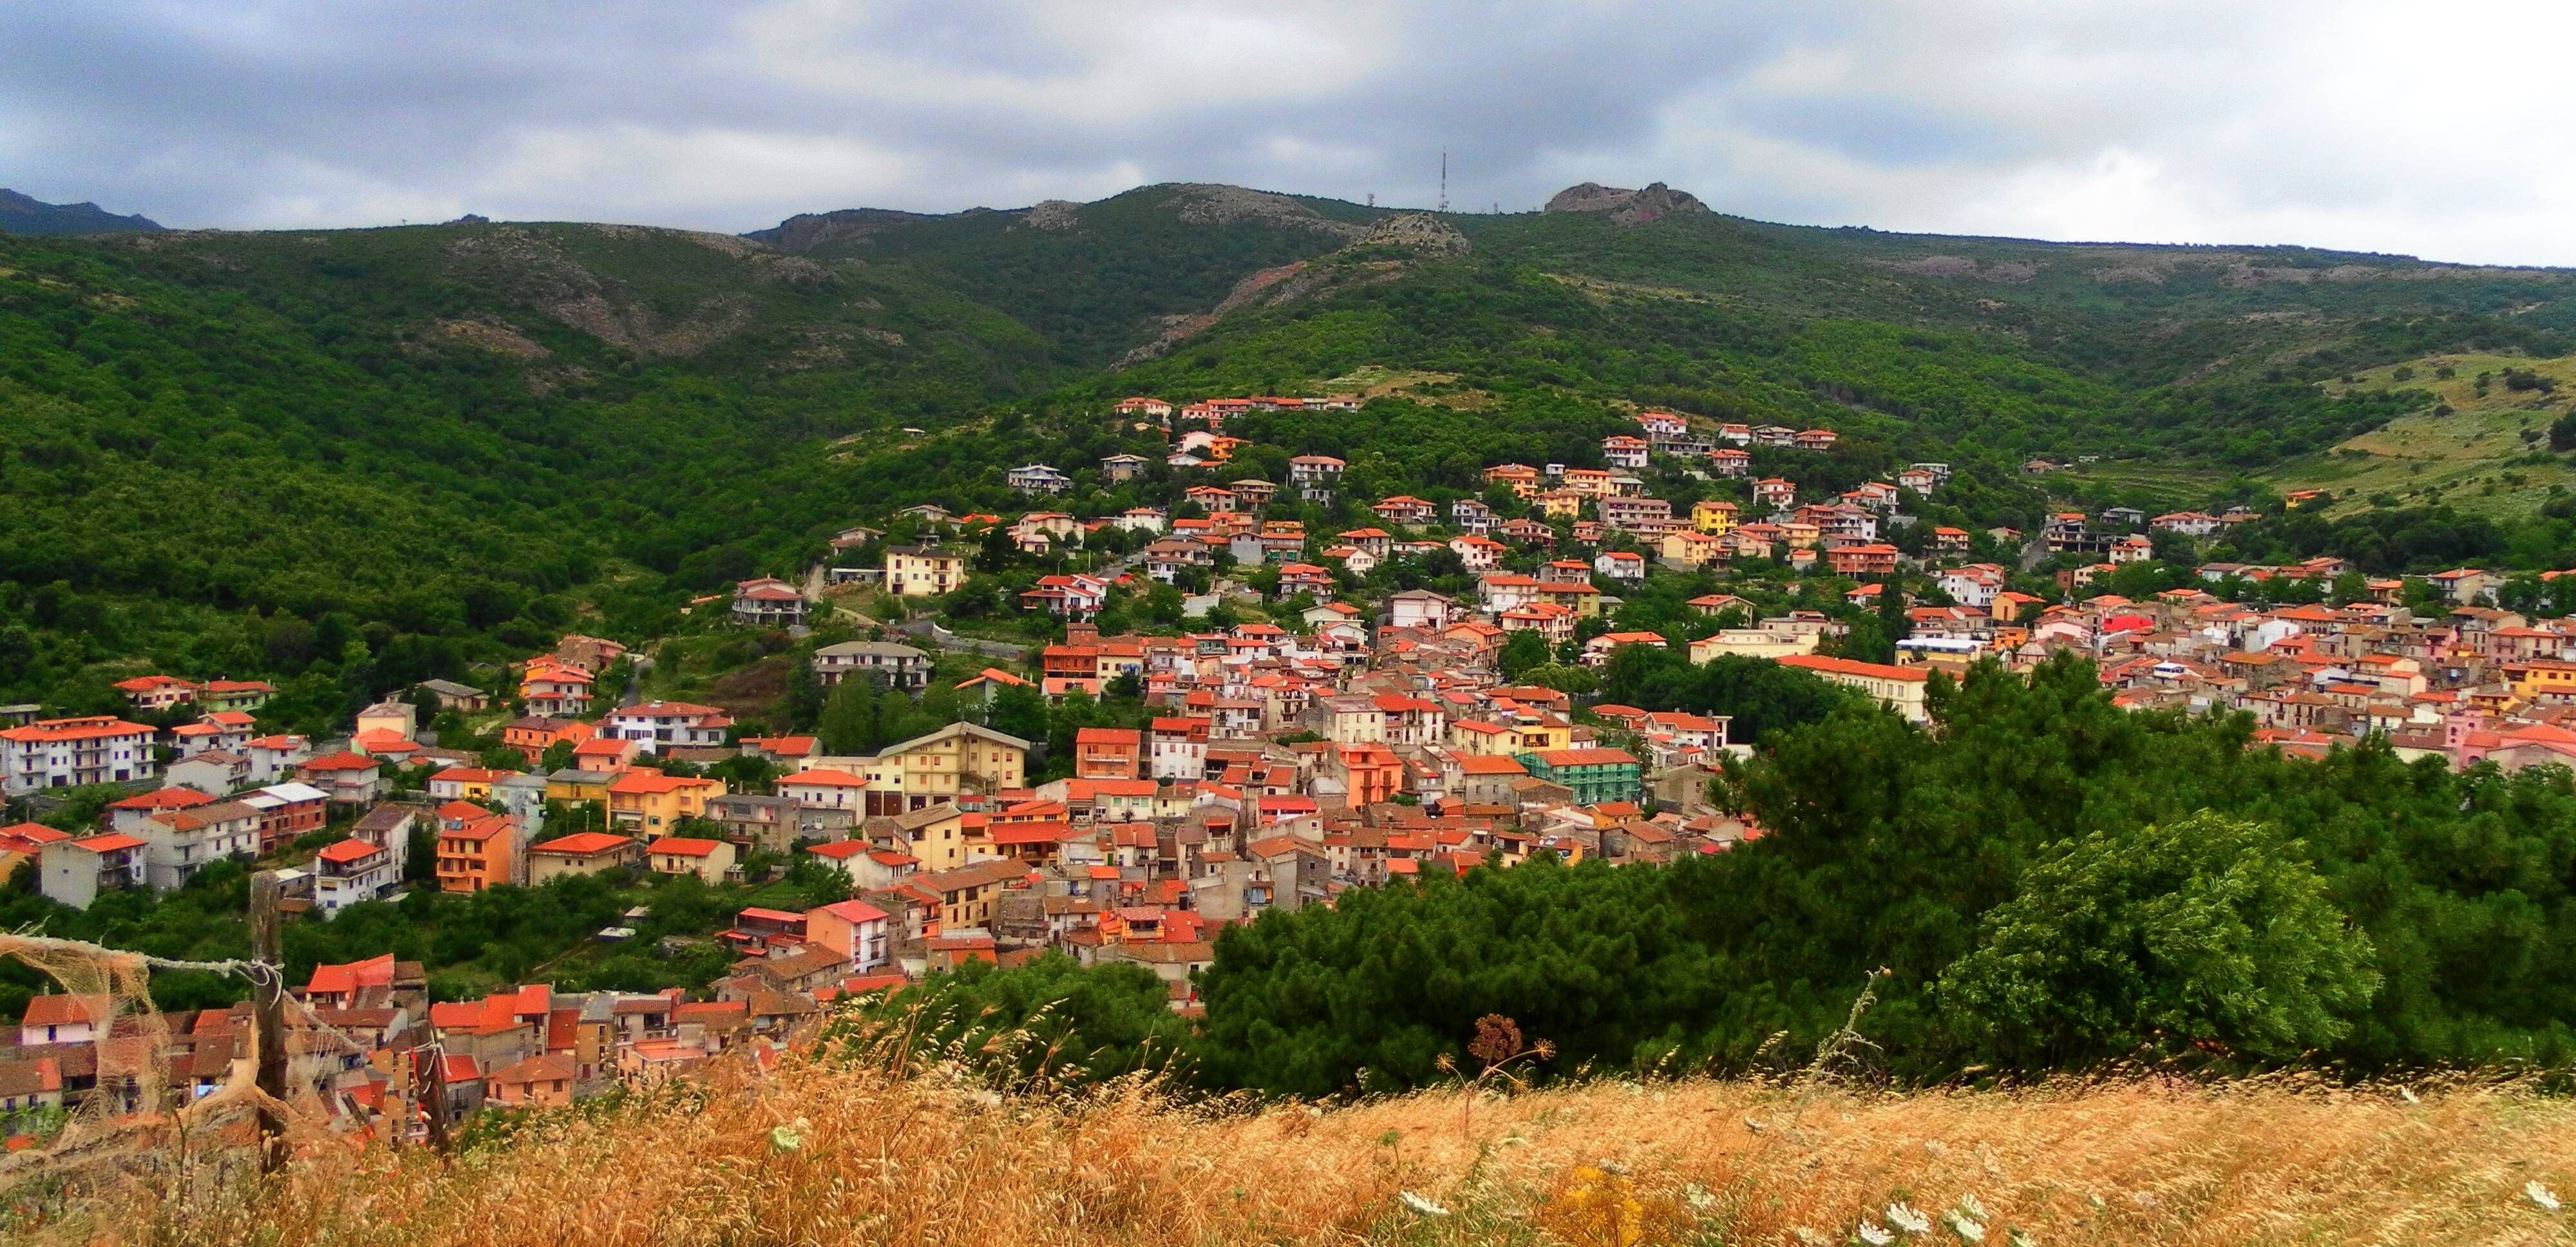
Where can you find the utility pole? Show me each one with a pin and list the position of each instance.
(1444, 181)
(433, 1078)
(268, 1014)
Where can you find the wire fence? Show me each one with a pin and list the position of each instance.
(138, 1098)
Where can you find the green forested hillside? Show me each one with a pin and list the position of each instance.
(1100, 279)
(241, 453)
(351, 458)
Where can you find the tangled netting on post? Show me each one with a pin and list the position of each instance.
(155, 1093)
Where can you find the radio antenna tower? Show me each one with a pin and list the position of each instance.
(1444, 181)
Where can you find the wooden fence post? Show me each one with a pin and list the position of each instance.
(268, 1005)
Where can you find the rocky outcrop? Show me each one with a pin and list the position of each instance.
(487, 335)
(1053, 214)
(1588, 197)
(1627, 207)
(527, 265)
(2009, 272)
(1302, 279)
(1420, 231)
(807, 230)
(1265, 286)
(1200, 203)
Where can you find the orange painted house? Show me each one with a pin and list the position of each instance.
(477, 853)
(1108, 753)
(541, 1080)
(536, 733)
(647, 800)
(1374, 773)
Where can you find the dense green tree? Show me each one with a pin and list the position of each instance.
(1759, 696)
(2191, 934)
(1522, 651)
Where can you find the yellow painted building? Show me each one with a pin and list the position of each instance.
(585, 853)
(1521, 479)
(1561, 504)
(956, 760)
(1901, 688)
(2536, 679)
(1694, 549)
(920, 571)
(675, 855)
(1581, 598)
(653, 803)
(1504, 735)
(1751, 643)
(938, 837)
(1538, 735)
(1714, 518)
(1590, 482)
(574, 787)
(1477, 738)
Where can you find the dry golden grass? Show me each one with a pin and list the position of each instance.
(935, 1160)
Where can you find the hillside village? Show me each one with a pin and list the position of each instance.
(1224, 713)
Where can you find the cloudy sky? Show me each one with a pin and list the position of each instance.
(2436, 130)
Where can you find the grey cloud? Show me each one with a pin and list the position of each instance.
(2086, 118)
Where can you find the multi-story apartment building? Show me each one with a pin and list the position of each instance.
(658, 725)
(956, 760)
(179, 843)
(555, 690)
(475, 850)
(768, 603)
(653, 803)
(892, 664)
(923, 571)
(67, 753)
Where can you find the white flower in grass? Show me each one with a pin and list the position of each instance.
(1969, 1204)
(790, 1137)
(1908, 1221)
(2540, 1196)
(1872, 1233)
(2409, 1093)
(2018, 1239)
(1421, 1205)
(1965, 1227)
(1752, 1125)
(1698, 1198)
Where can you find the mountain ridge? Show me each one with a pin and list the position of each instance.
(25, 214)
(800, 231)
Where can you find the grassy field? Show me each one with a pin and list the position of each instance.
(829, 1154)
(2154, 485)
(2486, 455)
